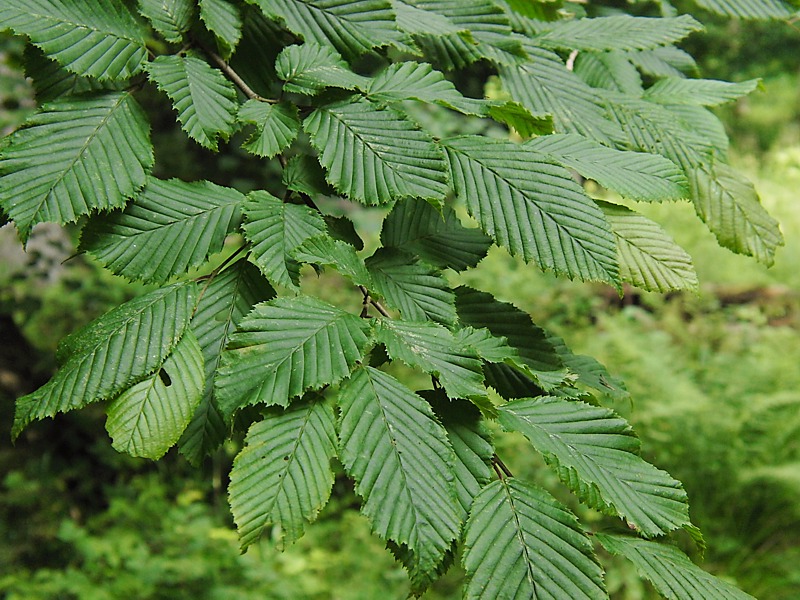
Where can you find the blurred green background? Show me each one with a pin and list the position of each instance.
(714, 380)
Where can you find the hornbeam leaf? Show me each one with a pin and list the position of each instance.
(225, 300)
(489, 34)
(532, 207)
(277, 126)
(471, 441)
(729, 205)
(310, 68)
(304, 175)
(667, 61)
(402, 463)
(76, 156)
(414, 20)
(97, 40)
(437, 237)
(545, 86)
(595, 453)
(669, 570)
(506, 321)
(111, 353)
(699, 92)
(275, 229)
(147, 419)
(611, 70)
(589, 370)
(169, 228)
(324, 250)
(380, 155)
(353, 28)
(417, 290)
(520, 542)
(749, 9)
(52, 81)
(649, 257)
(419, 81)
(222, 18)
(204, 99)
(170, 18)
(283, 475)
(433, 349)
(635, 175)
(619, 32)
(285, 347)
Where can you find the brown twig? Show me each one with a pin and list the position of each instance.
(234, 76)
(499, 466)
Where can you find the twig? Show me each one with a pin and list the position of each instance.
(234, 76)
(497, 463)
(378, 306)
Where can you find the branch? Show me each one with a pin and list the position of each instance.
(234, 76)
(368, 299)
(500, 467)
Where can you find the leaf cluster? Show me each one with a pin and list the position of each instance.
(329, 91)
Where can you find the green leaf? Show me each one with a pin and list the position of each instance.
(545, 86)
(667, 61)
(275, 229)
(532, 207)
(310, 68)
(700, 92)
(729, 205)
(147, 419)
(111, 353)
(226, 298)
(277, 126)
(52, 81)
(749, 9)
(380, 155)
(285, 347)
(433, 349)
(520, 542)
(589, 371)
(611, 70)
(649, 258)
(595, 453)
(204, 99)
(635, 175)
(419, 81)
(353, 28)
(304, 175)
(619, 32)
(283, 475)
(670, 571)
(99, 40)
(471, 441)
(222, 18)
(489, 34)
(506, 321)
(171, 227)
(170, 18)
(324, 250)
(343, 229)
(76, 156)
(650, 127)
(414, 20)
(437, 237)
(417, 290)
(520, 119)
(402, 462)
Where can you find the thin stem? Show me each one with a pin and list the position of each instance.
(497, 463)
(378, 306)
(234, 76)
